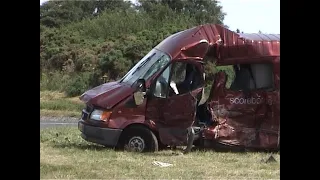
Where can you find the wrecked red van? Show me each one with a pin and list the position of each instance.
(161, 101)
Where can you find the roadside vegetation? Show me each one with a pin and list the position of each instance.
(64, 155)
(53, 103)
(85, 43)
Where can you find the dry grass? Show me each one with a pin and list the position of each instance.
(64, 155)
(57, 104)
(59, 113)
(51, 95)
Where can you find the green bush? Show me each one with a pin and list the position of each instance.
(61, 104)
(54, 81)
(78, 85)
(72, 84)
(111, 41)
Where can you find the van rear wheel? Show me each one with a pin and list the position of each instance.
(140, 139)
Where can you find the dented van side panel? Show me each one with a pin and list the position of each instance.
(249, 119)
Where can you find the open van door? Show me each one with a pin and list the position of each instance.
(172, 101)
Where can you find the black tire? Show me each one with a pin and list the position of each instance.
(139, 139)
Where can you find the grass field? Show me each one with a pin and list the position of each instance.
(56, 104)
(64, 155)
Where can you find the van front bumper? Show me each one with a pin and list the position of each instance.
(103, 136)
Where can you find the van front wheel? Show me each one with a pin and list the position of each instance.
(140, 139)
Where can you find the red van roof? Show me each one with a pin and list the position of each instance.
(229, 46)
(260, 37)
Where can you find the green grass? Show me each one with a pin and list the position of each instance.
(64, 155)
(54, 103)
(61, 104)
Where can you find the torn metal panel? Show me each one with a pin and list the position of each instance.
(245, 118)
(229, 47)
(253, 122)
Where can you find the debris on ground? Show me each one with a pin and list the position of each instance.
(161, 164)
(269, 159)
(177, 153)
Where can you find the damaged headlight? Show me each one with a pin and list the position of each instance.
(100, 115)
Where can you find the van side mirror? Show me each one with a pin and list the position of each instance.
(141, 85)
(140, 92)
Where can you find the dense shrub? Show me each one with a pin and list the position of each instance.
(80, 41)
(78, 85)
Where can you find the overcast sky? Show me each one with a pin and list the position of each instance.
(250, 16)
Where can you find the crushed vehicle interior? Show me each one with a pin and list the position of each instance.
(166, 100)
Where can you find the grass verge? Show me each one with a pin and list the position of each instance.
(56, 104)
(65, 155)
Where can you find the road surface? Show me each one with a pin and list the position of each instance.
(46, 122)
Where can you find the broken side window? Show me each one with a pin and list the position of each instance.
(159, 64)
(252, 76)
(243, 79)
(162, 84)
(178, 72)
(263, 76)
(185, 77)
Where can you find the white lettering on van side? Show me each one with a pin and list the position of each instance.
(246, 100)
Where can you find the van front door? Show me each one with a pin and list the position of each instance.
(172, 102)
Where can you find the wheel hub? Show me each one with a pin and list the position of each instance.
(137, 144)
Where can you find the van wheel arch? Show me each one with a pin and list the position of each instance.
(144, 129)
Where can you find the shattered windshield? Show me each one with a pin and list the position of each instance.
(147, 66)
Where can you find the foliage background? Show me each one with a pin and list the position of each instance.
(81, 41)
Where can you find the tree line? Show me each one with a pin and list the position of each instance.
(82, 41)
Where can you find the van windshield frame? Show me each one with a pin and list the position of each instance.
(139, 70)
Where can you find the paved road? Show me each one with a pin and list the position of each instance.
(46, 122)
(55, 124)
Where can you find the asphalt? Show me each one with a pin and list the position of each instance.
(56, 124)
(47, 122)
